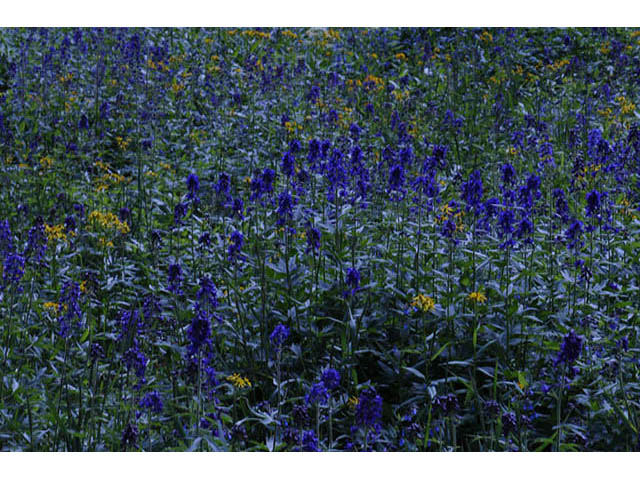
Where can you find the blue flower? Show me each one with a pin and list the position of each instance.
(594, 198)
(235, 246)
(179, 212)
(313, 239)
(318, 394)
(205, 239)
(237, 206)
(279, 336)
(525, 229)
(314, 94)
(396, 180)
(573, 234)
(330, 378)
(6, 238)
(193, 186)
(68, 306)
(369, 408)
(352, 280)
(262, 183)
(562, 207)
(570, 349)
(285, 207)
(199, 331)
(129, 324)
(472, 190)
(448, 228)
(314, 153)
(295, 146)
(152, 401)
(129, 437)
(288, 163)
(175, 279)
(310, 441)
(135, 360)
(508, 174)
(509, 422)
(12, 271)
(447, 403)
(36, 242)
(355, 131)
(223, 185)
(207, 295)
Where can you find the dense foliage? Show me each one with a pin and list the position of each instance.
(319, 239)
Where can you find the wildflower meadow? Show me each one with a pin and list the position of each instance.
(318, 239)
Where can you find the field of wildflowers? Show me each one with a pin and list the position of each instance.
(319, 239)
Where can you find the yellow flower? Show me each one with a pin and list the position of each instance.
(46, 162)
(478, 297)
(486, 37)
(289, 33)
(53, 306)
(109, 220)
(423, 302)
(238, 381)
(123, 143)
(55, 232)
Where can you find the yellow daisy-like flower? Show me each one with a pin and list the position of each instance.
(238, 381)
(51, 306)
(478, 297)
(423, 302)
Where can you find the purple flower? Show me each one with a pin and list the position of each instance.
(199, 331)
(205, 239)
(509, 422)
(331, 378)
(36, 242)
(573, 234)
(313, 239)
(318, 394)
(352, 280)
(310, 441)
(397, 179)
(570, 349)
(285, 207)
(508, 173)
(447, 403)
(288, 163)
(223, 185)
(135, 360)
(262, 183)
(179, 212)
(68, 306)
(300, 416)
(594, 198)
(207, 295)
(129, 437)
(124, 214)
(12, 271)
(355, 131)
(152, 401)
(236, 242)
(175, 278)
(369, 408)
(6, 238)
(279, 336)
(472, 190)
